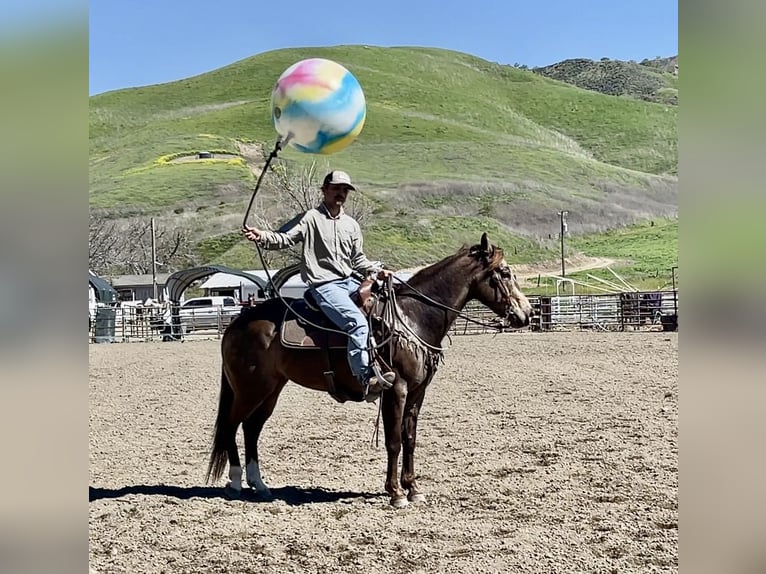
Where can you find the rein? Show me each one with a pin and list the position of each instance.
(392, 313)
(457, 312)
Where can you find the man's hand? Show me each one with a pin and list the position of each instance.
(251, 233)
(384, 274)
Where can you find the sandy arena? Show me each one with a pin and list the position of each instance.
(538, 453)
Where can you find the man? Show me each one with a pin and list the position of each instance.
(331, 253)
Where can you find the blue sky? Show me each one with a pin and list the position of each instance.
(137, 43)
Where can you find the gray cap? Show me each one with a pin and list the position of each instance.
(338, 177)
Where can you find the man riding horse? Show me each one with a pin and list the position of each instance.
(257, 363)
(332, 258)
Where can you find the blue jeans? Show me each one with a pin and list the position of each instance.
(334, 299)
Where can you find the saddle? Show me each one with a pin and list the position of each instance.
(304, 323)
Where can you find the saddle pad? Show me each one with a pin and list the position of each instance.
(298, 334)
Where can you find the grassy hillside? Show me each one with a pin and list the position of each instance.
(644, 253)
(404, 243)
(651, 80)
(452, 143)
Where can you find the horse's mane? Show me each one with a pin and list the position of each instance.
(471, 255)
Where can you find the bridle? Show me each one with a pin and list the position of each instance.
(498, 281)
(392, 311)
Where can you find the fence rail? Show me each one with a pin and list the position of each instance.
(608, 312)
(657, 310)
(131, 324)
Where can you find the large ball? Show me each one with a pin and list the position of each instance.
(319, 105)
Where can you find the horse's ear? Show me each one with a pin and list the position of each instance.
(486, 246)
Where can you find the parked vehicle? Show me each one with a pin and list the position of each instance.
(208, 313)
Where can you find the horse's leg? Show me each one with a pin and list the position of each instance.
(252, 430)
(230, 414)
(410, 430)
(239, 409)
(233, 488)
(393, 407)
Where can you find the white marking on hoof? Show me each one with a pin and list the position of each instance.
(399, 502)
(254, 479)
(416, 498)
(235, 478)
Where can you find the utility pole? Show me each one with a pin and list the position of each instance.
(675, 293)
(154, 263)
(563, 216)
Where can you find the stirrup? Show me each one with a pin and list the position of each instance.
(384, 380)
(375, 385)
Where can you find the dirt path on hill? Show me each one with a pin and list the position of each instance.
(573, 265)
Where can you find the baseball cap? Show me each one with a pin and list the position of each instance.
(338, 177)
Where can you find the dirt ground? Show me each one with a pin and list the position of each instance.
(538, 453)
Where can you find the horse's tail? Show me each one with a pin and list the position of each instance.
(222, 432)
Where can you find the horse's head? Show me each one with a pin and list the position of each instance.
(495, 285)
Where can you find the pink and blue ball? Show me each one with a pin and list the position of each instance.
(319, 105)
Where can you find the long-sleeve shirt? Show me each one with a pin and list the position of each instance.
(332, 246)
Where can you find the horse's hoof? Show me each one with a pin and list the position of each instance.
(232, 493)
(263, 494)
(416, 497)
(399, 502)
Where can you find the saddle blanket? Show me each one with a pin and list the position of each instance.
(297, 333)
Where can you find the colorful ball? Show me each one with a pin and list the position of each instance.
(319, 105)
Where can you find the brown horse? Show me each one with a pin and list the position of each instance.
(257, 365)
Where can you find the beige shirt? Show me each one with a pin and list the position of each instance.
(332, 246)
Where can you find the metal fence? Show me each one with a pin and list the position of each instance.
(657, 310)
(131, 324)
(608, 312)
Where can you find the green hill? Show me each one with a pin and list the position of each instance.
(452, 144)
(644, 253)
(651, 80)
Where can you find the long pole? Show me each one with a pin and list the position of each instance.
(588, 285)
(563, 215)
(675, 293)
(154, 263)
(277, 147)
(611, 284)
(629, 286)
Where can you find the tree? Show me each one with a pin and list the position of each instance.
(125, 247)
(104, 242)
(295, 186)
(299, 189)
